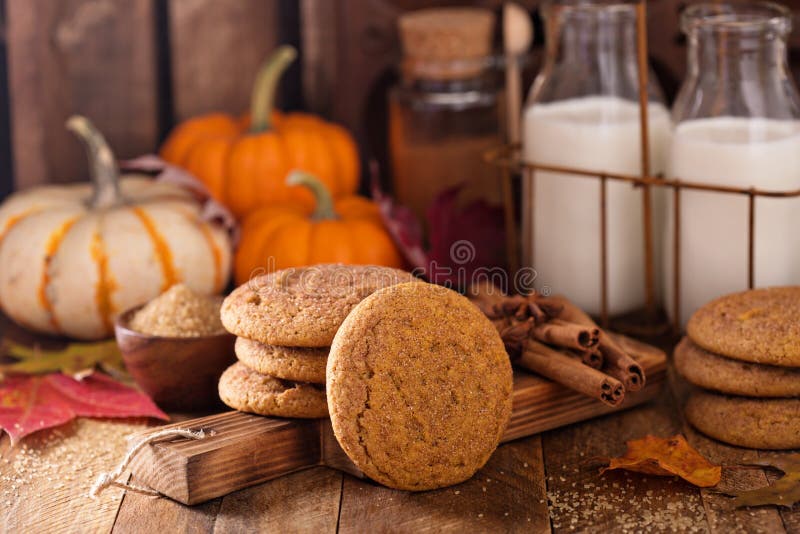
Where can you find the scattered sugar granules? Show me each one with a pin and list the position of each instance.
(623, 507)
(179, 312)
(54, 469)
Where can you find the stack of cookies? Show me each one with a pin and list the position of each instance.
(285, 322)
(743, 350)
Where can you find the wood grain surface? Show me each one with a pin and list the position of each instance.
(243, 449)
(544, 483)
(103, 57)
(45, 481)
(216, 49)
(507, 495)
(240, 451)
(94, 57)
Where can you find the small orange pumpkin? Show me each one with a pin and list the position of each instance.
(244, 162)
(348, 230)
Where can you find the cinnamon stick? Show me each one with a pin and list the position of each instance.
(565, 334)
(525, 323)
(570, 372)
(593, 358)
(618, 363)
(535, 311)
(549, 307)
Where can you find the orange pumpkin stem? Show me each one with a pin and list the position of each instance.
(102, 163)
(322, 197)
(262, 101)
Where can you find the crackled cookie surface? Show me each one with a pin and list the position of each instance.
(300, 364)
(711, 371)
(760, 326)
(746, 422)
(303, 307)
(245, 390)
(419, 387)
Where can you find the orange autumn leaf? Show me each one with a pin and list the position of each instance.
(666, 457)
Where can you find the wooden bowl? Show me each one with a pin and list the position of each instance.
(178, 373)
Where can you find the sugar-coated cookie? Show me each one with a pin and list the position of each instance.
(299, 364)
(419, 387)
(759, 326)
(746, 422)
(711, 371)
(303, 307)
(245, 390)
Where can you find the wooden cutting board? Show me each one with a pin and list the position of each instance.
(248, 449)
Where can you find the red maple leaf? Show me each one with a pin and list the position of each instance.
(34, 402)
(461, 241)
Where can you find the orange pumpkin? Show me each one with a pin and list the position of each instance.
(347, 230)
(244, 161)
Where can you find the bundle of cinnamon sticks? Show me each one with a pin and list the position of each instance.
(556, 339)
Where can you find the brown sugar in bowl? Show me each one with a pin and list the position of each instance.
(178, 373)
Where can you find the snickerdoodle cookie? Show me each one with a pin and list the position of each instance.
(419, 387)
(711, 371)
(245, 390)
(759, 326)
(746, 422)
(300, 364)
(303, 307)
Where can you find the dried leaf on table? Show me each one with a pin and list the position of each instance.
(29, 403)
(784, 492)
(666, 457)
(75, 359)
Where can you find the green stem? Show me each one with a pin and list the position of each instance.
(263, 99)
(102, 164)
(323, 198)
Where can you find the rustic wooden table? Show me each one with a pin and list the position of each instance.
(539, 484)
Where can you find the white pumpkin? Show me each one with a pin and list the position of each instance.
(72, 257)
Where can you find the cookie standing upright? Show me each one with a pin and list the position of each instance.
(419, 387)
(303, 307)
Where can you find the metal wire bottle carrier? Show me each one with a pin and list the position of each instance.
(511, 164)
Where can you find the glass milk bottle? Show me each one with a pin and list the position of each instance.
(736, 124)
(583, 112)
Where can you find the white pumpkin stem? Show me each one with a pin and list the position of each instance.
(102, 164)
(325, 209)
(262, 101)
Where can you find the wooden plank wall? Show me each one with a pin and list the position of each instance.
(216, 47)
(137, 66)
(134, 67)
(79, 56)
(350, 49)
(6, 166)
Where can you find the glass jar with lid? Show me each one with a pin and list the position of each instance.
(737, 123)
(446, 111)
(583, 112)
